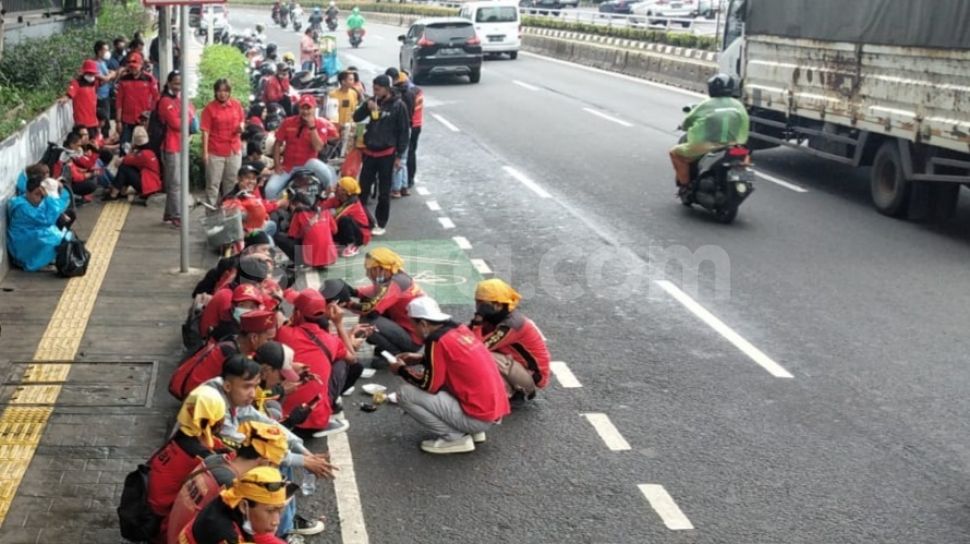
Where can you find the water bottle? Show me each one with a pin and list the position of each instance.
(309, 484)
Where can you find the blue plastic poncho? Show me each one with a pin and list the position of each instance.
(32, 233)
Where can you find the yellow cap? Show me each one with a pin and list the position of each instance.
(201, 411)
(267, 439)
(350, 185)
(496, 290)
(264, 485)
(382, 257)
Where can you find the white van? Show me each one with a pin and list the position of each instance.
(496, 24)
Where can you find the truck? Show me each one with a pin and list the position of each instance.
(883, 84)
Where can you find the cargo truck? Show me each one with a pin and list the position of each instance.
(868, 83)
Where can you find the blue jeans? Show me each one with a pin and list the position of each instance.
(399, 180)
(288, 517)
(277, 182)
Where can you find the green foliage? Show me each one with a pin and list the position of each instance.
(35, 72)
(222, 61)
(678, 39)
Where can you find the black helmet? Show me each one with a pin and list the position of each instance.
(282, 67)
(271, 50)
(720, 85)
(267, 68)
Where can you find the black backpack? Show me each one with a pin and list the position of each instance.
(156, 131)
(135, 518)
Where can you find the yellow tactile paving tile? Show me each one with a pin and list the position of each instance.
(21, 428)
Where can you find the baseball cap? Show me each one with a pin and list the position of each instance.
(426, 308)
(307, 100)
(310, 303)
(335, 290)
(278, 356)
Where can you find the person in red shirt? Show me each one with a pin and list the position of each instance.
(263, 445)
(76, 166)
(135, 93)
(222, 126)
(170, 113)
(83, 94)
(517, 345)
(322, 353)
(299, 140)
(353, 224)
(195, 439)
(139, 169)
(276, 88)
(384, 303)
(459, 394)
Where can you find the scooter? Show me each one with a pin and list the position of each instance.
(284, 15)
(720, 181)
(297, 16)
(356, 37)
(332, 23)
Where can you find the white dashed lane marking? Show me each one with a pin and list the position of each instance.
(563, 375)
(608, 117)
(433, 205)
(524, 180)
(607, 431)
(666, 508)
(445, 122)
(525, 85)
(481, 266)
(423, 191)
(446, 222)
(462, 242)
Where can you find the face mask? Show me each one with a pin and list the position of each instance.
(106, 55)
(89, 79)
(247, 525)
(490, 314)
(237, 313)
(380, 277)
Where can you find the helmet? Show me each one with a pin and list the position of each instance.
(289, 57)
(259, 29)
(316, 9)
(282, 67)
(356, 10)
(271, 49)
(267, 68)
(720, 85)
(332, 3)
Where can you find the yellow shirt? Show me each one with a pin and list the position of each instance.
(346, 105)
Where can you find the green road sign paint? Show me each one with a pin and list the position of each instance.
(440, 267)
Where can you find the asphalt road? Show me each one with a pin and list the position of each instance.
(865, 443)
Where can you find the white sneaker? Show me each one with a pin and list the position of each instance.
(478, 438)
(378, 231)
(441, 446)
(347, 393)
(335, 426)
(307, 527)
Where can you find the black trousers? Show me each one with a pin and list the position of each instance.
(104, 116)
(348, 232)
(287, 245)
(86, 187)
(66, 219)
(343, 376)
(413, 154)
(389, 336)
(128, 176)
(378, 170)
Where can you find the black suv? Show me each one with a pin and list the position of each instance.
(440, 46)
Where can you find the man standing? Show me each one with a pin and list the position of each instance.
(413, 96)
(459, 394)
(136, 92)
(102, 55)
(386, 143)
(299, 141)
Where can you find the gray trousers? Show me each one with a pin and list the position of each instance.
(173, 187)
(220, 176)
(440, 413)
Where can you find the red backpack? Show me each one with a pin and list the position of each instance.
(200, 367)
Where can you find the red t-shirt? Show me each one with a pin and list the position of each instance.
(307, 351)
(519, 338)
(458, 362)
(147, 164)
(354, 210)
(170, 111)
(391, 300)
(294, 134)
(85, 100)
(222, 121)
(134, 96)
(169, 467)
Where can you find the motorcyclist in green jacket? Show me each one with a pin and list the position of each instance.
(356, 20)
(718, 122)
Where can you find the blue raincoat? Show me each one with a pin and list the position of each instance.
(32, 233)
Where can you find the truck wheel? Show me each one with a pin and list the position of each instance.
(888, 185)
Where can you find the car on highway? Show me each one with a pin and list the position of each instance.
(497, 25)
(543, 6)
(441, 46)
(663, 10)
(622, 7)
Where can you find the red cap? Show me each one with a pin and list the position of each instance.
(310, 303)
(307, 100)
(257, 321)
(89, 67)
(246, 292)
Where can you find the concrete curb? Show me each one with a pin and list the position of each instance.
(669, 50)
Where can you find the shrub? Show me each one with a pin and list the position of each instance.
(678, 39)
(35, 72)
(222, 61)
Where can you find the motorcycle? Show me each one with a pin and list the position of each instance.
(297, 16)
(284, 15)
(276, 14)
(356, 37)
(332, 23)
(720, 181)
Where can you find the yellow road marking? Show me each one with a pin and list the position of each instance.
(21, 427)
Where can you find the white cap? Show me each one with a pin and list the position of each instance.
(426, 308)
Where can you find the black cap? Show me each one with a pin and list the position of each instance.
(247, 169)
(257, 237)
(392, 73)
(335, 290)
(270, 353)
(382, 81)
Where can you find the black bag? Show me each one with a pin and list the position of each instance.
(72, 258)
(135, 518)
(191, 338)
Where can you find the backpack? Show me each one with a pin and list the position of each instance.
(191, 338)
(200, 367)
(72, 258)
(135, 518)
(156, 131)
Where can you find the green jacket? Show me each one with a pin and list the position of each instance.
(721, 120)
(355, 21)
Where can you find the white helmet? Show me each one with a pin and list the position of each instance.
(332, 3)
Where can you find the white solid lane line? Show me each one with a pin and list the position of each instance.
(666, 508)
(363, 64)
(352, 527)
(608, 117)
(433, 205)
(481, 266)
(462, 242)
(446, 223)
(616, 75)
(525, 85)
(524, 180)
(783, 183)
(607, 431)
(728, 333)
(423, 191)
(445, 122)
(564, 375)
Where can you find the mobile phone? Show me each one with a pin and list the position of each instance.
(388, 357)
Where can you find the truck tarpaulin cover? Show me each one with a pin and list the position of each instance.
(913, 23)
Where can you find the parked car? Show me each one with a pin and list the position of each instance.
(623, 7)
(543, 7)
(497, 25)
(441, 46)
(674, 9)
